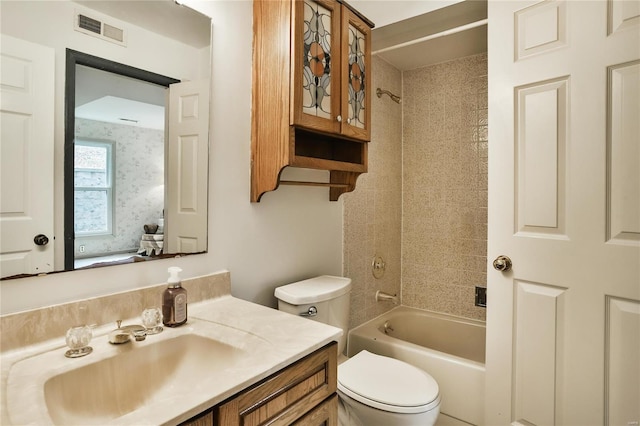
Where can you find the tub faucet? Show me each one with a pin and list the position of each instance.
(382, 296)
(124, 334)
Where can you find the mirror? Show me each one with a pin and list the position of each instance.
(126, 189)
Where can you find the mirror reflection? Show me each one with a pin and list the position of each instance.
(119, 181)
(118, 169)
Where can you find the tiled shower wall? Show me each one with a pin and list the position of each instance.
(372, 213)
(444, 231)
(423, 203)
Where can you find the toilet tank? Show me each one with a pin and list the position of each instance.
(329, 295)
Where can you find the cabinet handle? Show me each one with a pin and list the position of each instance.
(339, 118)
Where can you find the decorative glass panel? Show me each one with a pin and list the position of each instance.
(316, 80)
(356, 77)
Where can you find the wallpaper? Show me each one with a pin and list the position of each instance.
(138, 186)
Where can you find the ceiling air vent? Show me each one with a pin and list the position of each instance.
(94, 27)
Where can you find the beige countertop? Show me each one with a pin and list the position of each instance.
(267, 340)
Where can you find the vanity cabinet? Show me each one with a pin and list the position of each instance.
(303, 393)
(288, 395)
(311, 103)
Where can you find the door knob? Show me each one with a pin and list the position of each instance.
(502, 263)
(41, 240)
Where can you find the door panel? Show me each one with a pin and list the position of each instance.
(187, 167)
(622, 354)
(623, 171)
(26, 120)
(539, 322)
(541, 113)
(564, 197)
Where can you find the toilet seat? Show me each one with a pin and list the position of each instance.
(387, 384)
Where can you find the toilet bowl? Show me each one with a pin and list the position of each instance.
(374, 390)
(385, 391)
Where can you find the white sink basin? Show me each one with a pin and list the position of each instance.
(116, 386)
(148, 382)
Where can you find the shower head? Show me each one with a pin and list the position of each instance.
(393, 97)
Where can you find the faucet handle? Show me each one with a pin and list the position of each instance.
(77, 339)
(119, 323)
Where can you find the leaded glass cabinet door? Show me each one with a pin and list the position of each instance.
(316, 65)
(356, 77)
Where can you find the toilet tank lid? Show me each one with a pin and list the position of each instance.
(313, 290)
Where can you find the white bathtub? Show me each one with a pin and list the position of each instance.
(449, 348)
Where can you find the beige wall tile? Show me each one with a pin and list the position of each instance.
(443, 153)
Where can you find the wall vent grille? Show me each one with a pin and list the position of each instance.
(97, 28)
(89, 24)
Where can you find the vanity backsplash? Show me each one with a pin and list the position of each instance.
(37, 325)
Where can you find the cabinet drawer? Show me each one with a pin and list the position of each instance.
(286, 396)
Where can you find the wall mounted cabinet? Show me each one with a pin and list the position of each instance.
(311, 104)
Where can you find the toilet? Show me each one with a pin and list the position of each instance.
(373, 389)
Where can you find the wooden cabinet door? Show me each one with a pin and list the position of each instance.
(325, 414)
(356, 77)
(316, 67)
(286, 396)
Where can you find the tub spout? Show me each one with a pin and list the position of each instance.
(386, 297)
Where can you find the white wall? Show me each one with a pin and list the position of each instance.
(293, 233)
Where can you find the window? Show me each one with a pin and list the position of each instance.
(93, 188)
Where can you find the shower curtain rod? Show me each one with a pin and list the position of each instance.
(433, 36)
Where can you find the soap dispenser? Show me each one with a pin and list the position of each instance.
(174, 300)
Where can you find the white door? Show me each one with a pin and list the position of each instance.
(563, 325)
(187, 168)
(26, 157)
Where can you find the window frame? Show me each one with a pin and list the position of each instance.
(110, 189)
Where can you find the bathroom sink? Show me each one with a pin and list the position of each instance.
(151, 382)
(138, 377)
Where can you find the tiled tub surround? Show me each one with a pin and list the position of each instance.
(444, 220)
(423, 203)
(372, 213)
(280, 339)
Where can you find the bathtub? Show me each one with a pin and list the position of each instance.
(449, 348)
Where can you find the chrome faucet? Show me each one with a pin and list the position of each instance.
(386, 297)
(124, 334)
